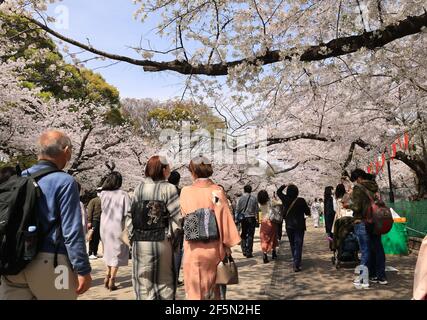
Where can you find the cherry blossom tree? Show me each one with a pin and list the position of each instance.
(334, 82)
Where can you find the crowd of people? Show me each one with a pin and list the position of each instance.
(168, 228)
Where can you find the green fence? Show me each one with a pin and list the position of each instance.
(415, 213)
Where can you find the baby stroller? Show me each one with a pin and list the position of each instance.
(345, 245)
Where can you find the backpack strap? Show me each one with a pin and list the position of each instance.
(36, 177)
(43, 172)
(366, 191)
(40, 174)
(290, 207)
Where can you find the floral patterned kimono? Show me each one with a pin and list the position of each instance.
(201, 258)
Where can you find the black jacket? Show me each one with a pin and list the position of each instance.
(295, 217)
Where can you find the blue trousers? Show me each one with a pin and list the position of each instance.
(364, 243)
(376, 257)
(296, 240)
(248, 231)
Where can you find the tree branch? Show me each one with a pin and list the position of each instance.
(78, 161)
(309, 136)
(413, 164)
(76, 171)
(334, 48)
(284, 170)
(359, 142)
(380, 12)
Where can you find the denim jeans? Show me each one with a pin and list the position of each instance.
(377, 257)
(248, 231)
(296, 240)
(364, 243)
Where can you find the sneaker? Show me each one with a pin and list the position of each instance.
(382, 281)
(358, 283)
(93, 257)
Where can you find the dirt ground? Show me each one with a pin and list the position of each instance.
(319, 279)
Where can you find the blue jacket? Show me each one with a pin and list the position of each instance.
(60, 192)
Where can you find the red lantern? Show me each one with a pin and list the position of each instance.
(406, 141)
(382, 162)
(394, 150)
(399, 143)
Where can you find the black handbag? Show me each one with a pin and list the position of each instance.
(241, 215)
(201, 225)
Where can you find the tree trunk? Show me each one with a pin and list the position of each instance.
(422, 184)
(418, 165)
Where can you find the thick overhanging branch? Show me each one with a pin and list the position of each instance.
(359, 142)
(275, 140)
(334, 48)
(307, 136)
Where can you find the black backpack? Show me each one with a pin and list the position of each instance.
(18, 211)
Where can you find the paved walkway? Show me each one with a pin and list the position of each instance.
(276, 280)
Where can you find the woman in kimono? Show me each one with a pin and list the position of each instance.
(201, 258)
(154, 223)
(114, 205)
(268, 230)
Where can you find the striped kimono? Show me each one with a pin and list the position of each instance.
(153, 274)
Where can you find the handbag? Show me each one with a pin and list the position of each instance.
(201, 225)
(89, 234)
(276, 214)
(241, 215)
(226, 272)
(125, 237)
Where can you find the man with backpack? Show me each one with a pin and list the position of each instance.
(371, 249)
(48, 248)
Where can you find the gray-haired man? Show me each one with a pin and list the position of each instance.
(59, 212)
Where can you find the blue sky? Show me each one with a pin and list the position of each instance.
(110, 26)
